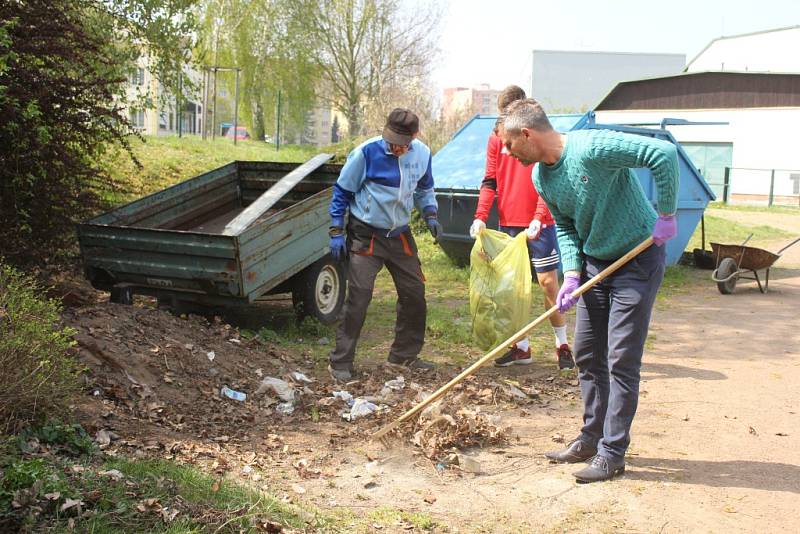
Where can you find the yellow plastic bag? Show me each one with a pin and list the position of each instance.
(499, 287)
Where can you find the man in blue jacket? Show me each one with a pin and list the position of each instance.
(383, 179)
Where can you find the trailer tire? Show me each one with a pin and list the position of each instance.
(121, 295)
(320, 290)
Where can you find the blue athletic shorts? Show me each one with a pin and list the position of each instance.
(543, 252)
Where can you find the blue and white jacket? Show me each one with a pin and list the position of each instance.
(380, 189)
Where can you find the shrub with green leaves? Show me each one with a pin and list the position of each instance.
(39, 375)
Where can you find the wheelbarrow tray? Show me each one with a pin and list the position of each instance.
(747, 258)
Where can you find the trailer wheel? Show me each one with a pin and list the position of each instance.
(320, 290)
(121, 294)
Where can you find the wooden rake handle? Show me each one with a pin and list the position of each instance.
(510, 341)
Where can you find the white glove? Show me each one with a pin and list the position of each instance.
(477, 227)
(534, 229)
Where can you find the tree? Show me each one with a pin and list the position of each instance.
(269, 42)
(63, 70)
(370, 49)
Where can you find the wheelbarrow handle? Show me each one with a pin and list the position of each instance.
(723, 280)
(787, 246)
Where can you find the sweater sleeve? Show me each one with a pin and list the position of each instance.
(489, 183)
(569, 244)
(621, 150)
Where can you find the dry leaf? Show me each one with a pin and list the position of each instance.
(113, 473)
(70, 503)
(430, 499)
(215, 486)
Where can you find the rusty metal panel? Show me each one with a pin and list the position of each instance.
(157, 208)
(161, 259)
(282, 245)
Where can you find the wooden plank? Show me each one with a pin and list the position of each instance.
(266, 201)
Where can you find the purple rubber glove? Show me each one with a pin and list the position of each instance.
(565, 300)
(665, 229)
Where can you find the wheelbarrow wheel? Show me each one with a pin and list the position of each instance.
(728, 274)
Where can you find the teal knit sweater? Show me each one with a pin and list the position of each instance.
(596, 199)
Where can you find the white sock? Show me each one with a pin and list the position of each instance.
(561, 335)
(523, 345)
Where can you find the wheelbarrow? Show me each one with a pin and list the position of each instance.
(737, 261)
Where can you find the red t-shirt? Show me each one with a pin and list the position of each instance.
(518, 203)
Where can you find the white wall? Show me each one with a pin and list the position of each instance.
(772, 51)
(762, 139)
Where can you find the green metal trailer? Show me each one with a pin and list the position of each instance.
(223, 239)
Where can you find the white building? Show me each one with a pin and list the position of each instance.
(161, 116)
(759, 104)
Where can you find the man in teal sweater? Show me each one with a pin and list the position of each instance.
(601, 213)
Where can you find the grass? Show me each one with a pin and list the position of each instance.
(140, 498)
(721, 230)
(793, 210)
(167, 160)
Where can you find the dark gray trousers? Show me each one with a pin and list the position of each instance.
(610, 331)
(369, 252)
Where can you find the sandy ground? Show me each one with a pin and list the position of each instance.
(714, 442)
(713, 447)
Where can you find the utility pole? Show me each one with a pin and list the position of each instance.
(278, 126)
(204, 116)
(236, 109)
(178, 102)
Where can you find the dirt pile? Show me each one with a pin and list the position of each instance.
(155, 388)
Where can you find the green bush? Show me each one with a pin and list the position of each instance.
(39, 375)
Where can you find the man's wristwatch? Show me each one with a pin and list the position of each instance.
(335, 230)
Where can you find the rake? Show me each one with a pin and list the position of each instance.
(510, 341)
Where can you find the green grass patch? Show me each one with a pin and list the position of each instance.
(793, 210)
(721, 230)
(167, 160)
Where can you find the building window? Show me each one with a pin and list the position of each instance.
(137, 118)
(137, 76)
(795, 178)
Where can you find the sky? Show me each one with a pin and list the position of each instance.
(491, 42)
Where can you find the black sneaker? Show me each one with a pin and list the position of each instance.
(514, 357)
(417, 364)
(565, 358)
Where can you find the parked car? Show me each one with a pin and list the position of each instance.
(239, 131)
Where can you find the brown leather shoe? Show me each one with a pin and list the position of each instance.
(577, 451)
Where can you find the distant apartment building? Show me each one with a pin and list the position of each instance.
(463, 102)
(154, 111)
(324, 126)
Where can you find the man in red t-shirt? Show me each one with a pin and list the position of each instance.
(521, 209)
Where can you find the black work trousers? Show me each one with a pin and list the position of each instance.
(369, 250)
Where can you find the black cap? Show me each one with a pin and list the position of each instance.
(401, 125)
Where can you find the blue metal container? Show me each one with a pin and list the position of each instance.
(458, 169)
